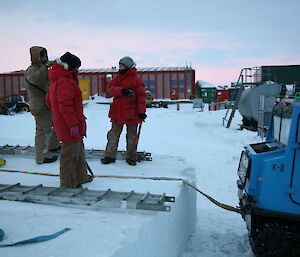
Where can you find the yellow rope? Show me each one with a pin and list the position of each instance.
(30, 172)
(221, 205)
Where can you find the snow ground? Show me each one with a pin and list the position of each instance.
(183, 143)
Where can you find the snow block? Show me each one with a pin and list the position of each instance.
(168, 233)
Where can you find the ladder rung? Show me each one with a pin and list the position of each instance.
(25, 148)
(53, 191)
(4, 146)
(9, 187)
(32, 188)
(127, 196)
(79, 192)
(99, 198)
(144, 197)
(14, 147)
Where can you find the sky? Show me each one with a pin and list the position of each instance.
(216, 37)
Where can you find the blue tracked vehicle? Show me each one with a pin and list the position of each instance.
(269, 184)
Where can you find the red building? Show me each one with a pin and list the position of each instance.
(162, 82)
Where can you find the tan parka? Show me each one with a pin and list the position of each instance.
(36, 80)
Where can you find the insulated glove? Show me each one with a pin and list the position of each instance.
(49, 63)
(74, 131)
(126, 91)
(143, 116)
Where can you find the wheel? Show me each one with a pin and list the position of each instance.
(271, 237)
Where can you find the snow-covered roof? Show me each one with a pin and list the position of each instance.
(202, 83)
(140, 69)
(13, 72)
(115, 69)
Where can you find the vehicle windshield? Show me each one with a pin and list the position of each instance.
(282, 120)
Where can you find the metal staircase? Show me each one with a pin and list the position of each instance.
(84, 197)
(248, 77)
(29, 151)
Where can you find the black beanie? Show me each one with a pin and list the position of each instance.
(72, 60)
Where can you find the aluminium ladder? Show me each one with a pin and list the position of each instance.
(247, 77)
(233, 105)
(29, 151)
(84, 197)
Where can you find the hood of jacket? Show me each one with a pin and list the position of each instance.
(35, 55)
(132, 71)
(57, 71)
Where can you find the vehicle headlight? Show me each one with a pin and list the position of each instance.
(244, 166)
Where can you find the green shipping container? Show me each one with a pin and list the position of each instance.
(287, 74)
(208, 94)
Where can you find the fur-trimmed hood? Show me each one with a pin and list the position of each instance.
(35, 55)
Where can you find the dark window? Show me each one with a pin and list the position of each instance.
(174, 82)
(181, 90)
(149, 83)
(152, 90)
(152, 83)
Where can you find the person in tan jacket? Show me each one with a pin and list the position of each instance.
(37, 83)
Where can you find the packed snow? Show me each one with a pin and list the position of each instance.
(184, 143)
(205, 84)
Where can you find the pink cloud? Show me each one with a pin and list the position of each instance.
(217, 75)
(100, 47)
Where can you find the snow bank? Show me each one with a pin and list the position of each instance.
(106, 232)
(202, 144)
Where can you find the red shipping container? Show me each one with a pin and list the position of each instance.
(222, 95)
(161, 81)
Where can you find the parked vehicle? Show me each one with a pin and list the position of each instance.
(149, 99)
(13, 104)
(269, 182)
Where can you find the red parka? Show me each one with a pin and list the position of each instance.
(65, 101)
(124, 109)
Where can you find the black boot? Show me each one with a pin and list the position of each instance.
(107, 160)
(49, 160)
(131, 162)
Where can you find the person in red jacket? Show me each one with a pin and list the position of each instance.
(128, 107)
(65, 101)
